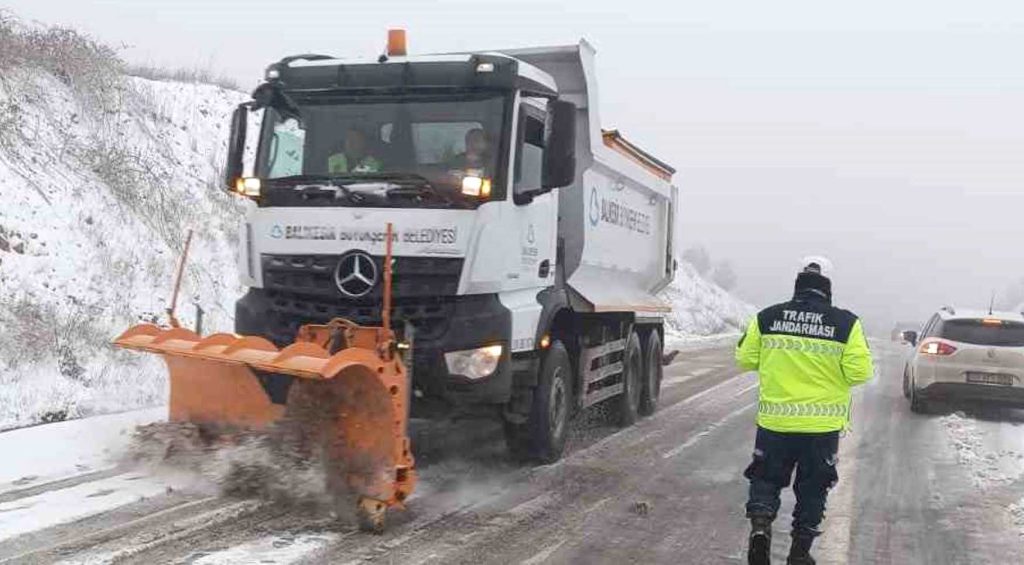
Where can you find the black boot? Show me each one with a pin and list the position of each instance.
(759, 549)
(800, 551)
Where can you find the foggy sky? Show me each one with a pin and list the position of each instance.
(886, 135)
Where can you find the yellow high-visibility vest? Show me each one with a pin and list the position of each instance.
(808, 354)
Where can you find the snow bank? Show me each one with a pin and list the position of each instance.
(73, 447)
(702, 308)
(990, 459)
(94, 206)
(1017, 515)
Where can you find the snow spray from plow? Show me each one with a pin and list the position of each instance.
(343, 386)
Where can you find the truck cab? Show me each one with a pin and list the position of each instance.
(512, 236)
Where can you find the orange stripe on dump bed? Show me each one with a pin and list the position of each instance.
(614, 140)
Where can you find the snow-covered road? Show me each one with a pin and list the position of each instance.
(913, 489)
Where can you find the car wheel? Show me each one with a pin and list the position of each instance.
(628, 403)
(651, 386)
(542, 437)
(917, 404)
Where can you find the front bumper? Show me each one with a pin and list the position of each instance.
(471, 321)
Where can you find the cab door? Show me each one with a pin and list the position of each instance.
(535, 216)
(531, 227)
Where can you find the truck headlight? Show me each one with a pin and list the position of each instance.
(248, 186)
(474, 363)
(476, 186)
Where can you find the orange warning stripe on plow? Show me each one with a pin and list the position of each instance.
(301, 359)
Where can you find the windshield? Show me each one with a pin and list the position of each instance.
(977, 332)
(408, 151)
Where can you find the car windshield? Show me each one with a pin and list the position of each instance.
(980, 332)
(405, 151)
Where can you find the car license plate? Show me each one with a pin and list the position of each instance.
(990, 378)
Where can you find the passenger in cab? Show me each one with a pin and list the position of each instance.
(355, 157)
(478, 152)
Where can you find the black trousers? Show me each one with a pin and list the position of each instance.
(814, 456)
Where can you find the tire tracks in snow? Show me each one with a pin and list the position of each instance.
(560, 498)
(11, 495)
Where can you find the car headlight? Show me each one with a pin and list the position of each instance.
(474, 363)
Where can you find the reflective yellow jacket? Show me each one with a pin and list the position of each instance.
(808, 354)
(338, 163)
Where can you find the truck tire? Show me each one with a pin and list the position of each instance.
(650, 390)
(628, 403)
(542, 437)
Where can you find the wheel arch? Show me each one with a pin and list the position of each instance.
(562, 327)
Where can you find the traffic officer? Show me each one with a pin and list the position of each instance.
(808, 354)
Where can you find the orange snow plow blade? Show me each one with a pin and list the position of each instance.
(346, 382)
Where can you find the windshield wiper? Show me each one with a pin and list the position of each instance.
(401, 184)
(421, 186)
(321, 185)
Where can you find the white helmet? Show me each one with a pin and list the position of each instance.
(816, 264)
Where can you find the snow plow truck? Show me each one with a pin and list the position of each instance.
(432, 236)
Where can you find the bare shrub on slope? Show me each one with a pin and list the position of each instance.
(34, 331)
(193, 75)
(91, 68)
(131, 175)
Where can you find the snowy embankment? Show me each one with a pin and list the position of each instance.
(701, 310)
(98, 187)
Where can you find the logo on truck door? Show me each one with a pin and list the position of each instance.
(528, 247)
(356, 274)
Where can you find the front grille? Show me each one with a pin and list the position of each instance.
(301, 290)
(428, 316)
(313, 275)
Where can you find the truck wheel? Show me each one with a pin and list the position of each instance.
(542, 437)
(632, 368)
(651, 386)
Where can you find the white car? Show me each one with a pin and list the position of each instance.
(966, 355)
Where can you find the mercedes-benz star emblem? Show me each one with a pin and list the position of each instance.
(356, 274)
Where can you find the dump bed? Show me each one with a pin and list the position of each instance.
(616, 221)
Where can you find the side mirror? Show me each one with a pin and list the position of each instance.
(910, 336)
(560, 153)
(236, 146)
